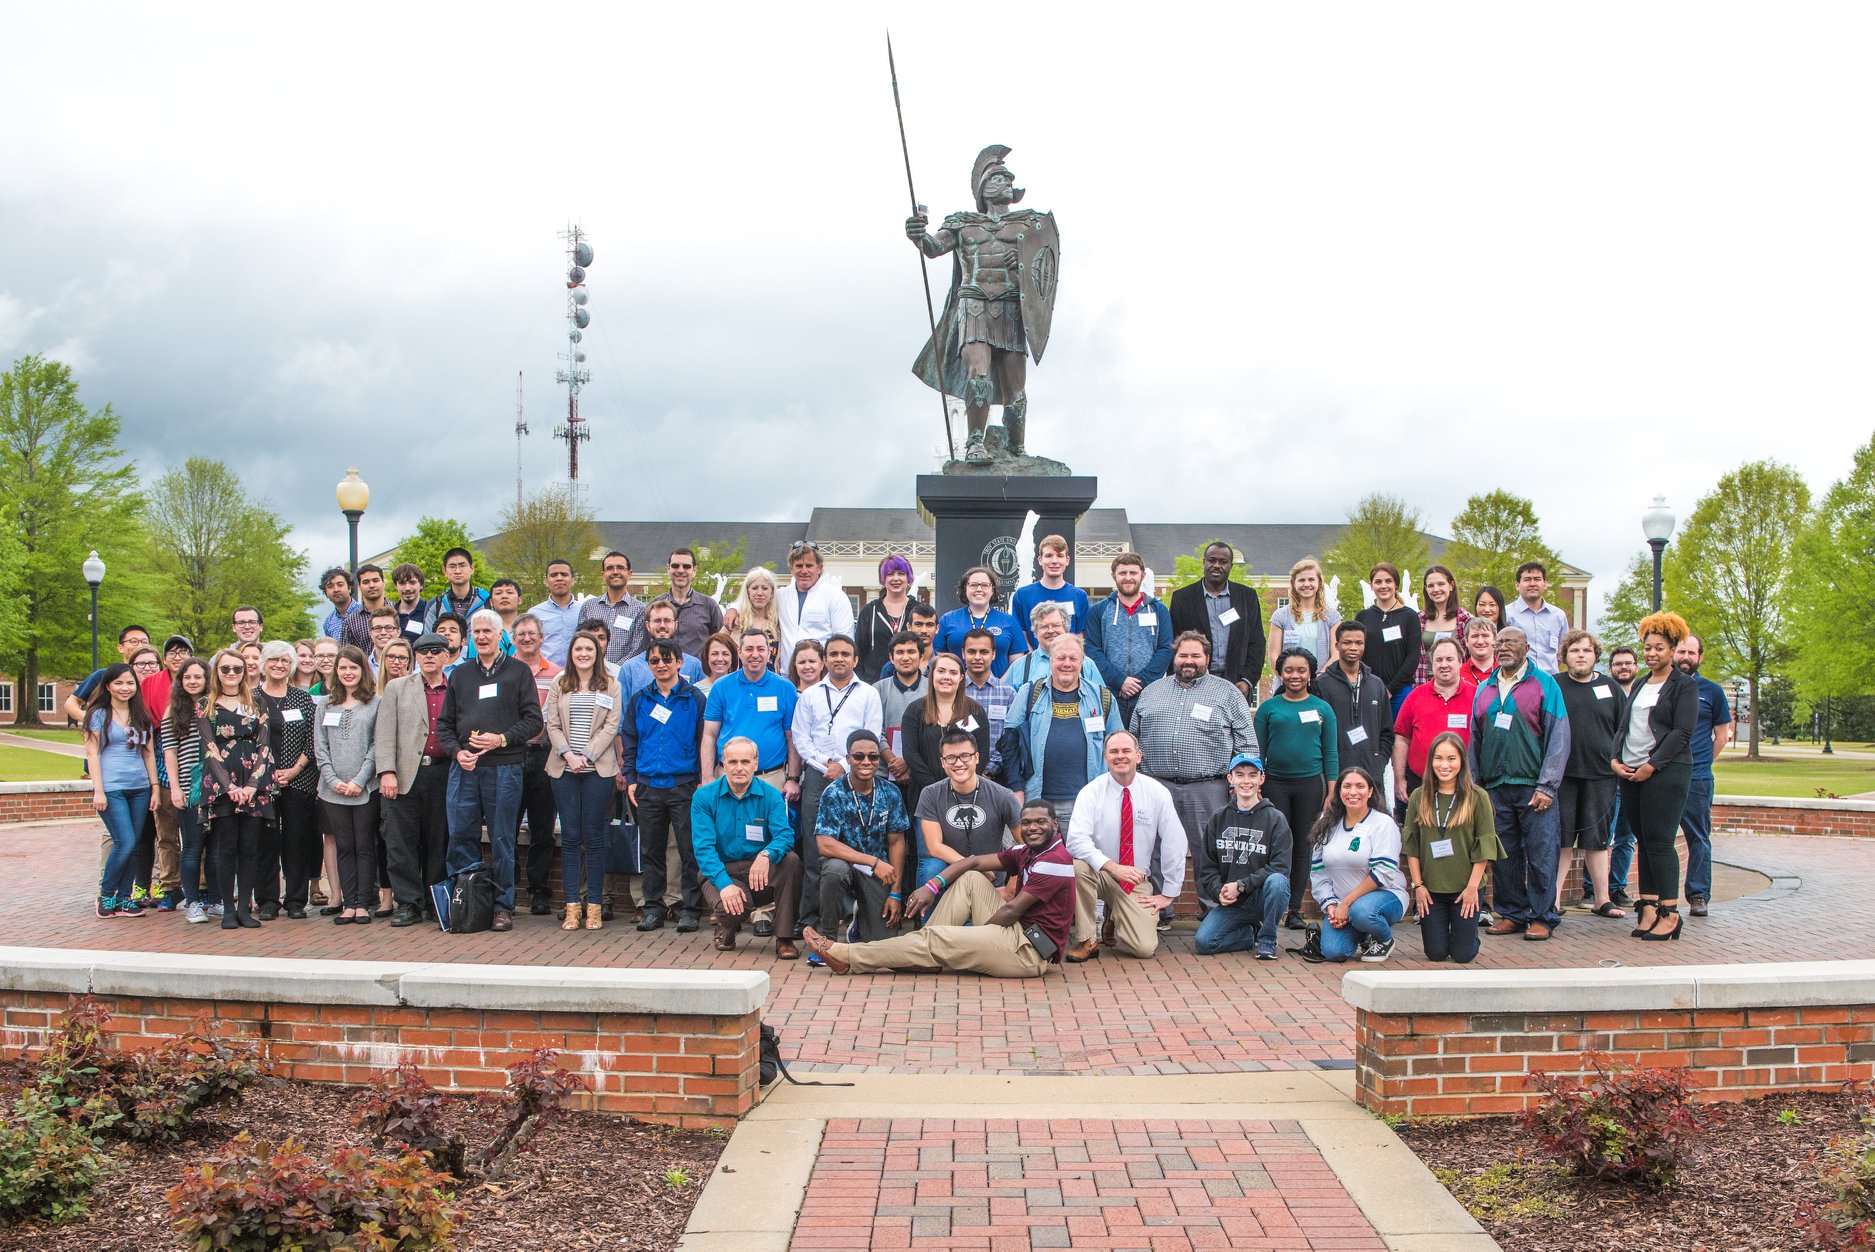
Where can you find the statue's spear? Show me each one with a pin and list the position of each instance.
(937, 349)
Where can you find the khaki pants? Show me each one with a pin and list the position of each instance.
(1135, 930)
(168, 868)
(947, 945)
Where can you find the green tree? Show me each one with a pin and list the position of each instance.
(1491, 536)
(549, 525)
(1632, 600)
(425, 547)
(1189, 568)
(69, 490)
(1832, 612)
(214, 549)
(1379, 528)
(1731, 572)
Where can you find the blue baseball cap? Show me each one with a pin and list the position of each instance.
(1244, 758)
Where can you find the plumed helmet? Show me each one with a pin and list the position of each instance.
(990, 161)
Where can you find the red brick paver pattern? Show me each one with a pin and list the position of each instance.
(1157, 1186)
(1176, 1013)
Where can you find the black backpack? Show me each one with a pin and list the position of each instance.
(773, 1066)
(472, 901)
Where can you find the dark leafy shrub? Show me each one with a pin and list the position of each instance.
(1848, 1221)
(1632, 1125)
(256, 1197)
(536, 1094)
(48, 1163)
(402, 1110)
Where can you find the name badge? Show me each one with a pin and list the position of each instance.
(1457, 721)
(660, 714)
(488, 691)
(413, 627)
(604, 702)
(768, 704)
(1309, 715)
(1095, 725)
(1502, 721)
(1358, 735)
(621, 622)
(1228, 617)
(1603, 693)
(335, 718)
(864, 869)
(1151, 623)
(755, 834)
(1441, 847)
(1390, 633)
(292, 715)
(969, 724)
(1201, 712)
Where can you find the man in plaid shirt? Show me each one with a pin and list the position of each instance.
(982, 685)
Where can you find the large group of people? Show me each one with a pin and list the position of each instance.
(907, 788)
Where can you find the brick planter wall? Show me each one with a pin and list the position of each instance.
(45, 801)
(1758, 815)
(1463, 1043)
(665, 1046)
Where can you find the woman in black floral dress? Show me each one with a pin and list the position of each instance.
(238, 784)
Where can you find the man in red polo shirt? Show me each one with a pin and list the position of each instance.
(973, 929)
(1430, 710)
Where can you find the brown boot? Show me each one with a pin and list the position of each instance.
(1088, 951)
(594, 920)
(572, 918)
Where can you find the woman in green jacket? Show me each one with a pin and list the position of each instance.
(1449, 843)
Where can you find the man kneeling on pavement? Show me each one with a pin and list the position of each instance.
(1241, 863)
(745, 849)
(973, 929)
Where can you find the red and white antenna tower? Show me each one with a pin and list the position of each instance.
(574, 429)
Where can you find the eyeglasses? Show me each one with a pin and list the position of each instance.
(861, 757)
(958, 758)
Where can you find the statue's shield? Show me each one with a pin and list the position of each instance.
(1038, 257)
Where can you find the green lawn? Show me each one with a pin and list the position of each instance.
(32, 765)
(60, 735)
(1798, 778)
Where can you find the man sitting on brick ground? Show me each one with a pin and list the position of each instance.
(972, 929)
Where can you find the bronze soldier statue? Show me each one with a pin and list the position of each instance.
(1005, 262)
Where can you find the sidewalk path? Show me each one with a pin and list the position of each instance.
(54, 746)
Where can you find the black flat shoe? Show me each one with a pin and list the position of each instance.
(1292, 920)
(653, 920)
(230, 922)
(246, 919)
(363, 919)
(298, 915)
(340, 920)
(331, 910)
(268, 912)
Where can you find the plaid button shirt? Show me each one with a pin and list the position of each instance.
(1191, 732)
(995, 696)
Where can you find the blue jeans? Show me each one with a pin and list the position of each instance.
(585, 804)
(123, 816)
(1237, 927)
(1696, 825)
(1523, 884)
(1372, 915)
(1621, 857)
(198, 865)
(491, 794)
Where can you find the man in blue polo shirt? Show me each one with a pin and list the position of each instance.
(745, 849)
(1711, 732)
(757, 704)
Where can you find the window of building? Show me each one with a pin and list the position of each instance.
(48, 698)
(6, 697)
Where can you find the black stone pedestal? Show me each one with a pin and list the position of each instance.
(979, 519)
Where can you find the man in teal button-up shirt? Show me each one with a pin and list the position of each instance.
(745, 849)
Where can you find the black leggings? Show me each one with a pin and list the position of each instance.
(237, 839)
(1653, 810)
(1299, 800)
(354, 831)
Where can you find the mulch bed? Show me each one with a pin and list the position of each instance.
(1739, 1193)
(590, 1181)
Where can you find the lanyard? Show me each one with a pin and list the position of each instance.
(833, 710)
(865, 821)
(1443, 814)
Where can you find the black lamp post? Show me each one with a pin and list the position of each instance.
(1657, 525)
(94, 574)
(354, 495)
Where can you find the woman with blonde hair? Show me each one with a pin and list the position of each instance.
(756, 606)
(1307, 621)
(238, 784)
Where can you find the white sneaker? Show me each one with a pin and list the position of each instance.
(212, 910)
(194, 912)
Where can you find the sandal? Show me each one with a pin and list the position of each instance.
(1608, 908)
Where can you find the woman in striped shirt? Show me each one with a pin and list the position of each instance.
(179, 738)
(1354, 871)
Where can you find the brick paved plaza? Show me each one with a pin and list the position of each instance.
(921, 1182)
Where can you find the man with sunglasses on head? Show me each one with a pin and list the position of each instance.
(810, 606)
(698, 616)
(617, 607)
(859, 832)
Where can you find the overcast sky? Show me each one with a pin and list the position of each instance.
(1589, 253)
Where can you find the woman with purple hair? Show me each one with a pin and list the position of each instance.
(883, 618)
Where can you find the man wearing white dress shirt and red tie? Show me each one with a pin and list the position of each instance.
(1121, 819)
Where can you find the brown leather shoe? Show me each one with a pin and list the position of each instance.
(1088, 951)
(785, 949)
(1535, 932)
(1504, 926)
(822, 947)
(504, 920)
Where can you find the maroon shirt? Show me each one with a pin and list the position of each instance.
(1047, 875)
(433, 704)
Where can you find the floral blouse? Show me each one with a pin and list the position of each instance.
(236, 755)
